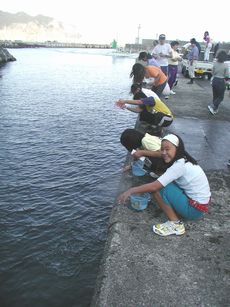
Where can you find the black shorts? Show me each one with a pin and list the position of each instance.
(157, 119)
(157, 165)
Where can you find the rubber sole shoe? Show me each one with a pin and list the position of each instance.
(169, 228)
(212, 111)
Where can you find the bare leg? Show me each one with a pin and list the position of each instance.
(171, 214)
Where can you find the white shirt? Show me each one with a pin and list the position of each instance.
(164, 49)
(149, 93)
(190, 178)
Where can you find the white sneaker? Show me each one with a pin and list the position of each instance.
(169, 228)
(166, 97)
(211, 110)
(172, 92)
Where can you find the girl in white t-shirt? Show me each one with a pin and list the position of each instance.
(182, 191)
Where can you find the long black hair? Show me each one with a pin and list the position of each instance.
(143, 56)
(182, 153)
(136, 90)
(137, 73)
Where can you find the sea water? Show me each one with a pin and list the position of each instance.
(60, 166)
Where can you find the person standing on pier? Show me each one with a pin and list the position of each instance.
(173, 65)
(161, 52)
(220, 74)
(216, 48)
(193, 56)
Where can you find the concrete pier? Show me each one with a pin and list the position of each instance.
(140, 268)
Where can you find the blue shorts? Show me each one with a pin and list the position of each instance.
(174, 197)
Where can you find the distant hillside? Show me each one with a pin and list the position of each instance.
(21, 26)
(6, 19)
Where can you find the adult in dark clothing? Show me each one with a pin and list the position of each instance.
(220, 74)
(216, 48)
(199, 48)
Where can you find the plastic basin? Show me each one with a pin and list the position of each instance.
(137, 168)
(140, 202)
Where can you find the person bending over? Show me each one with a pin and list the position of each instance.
(151, 108)
(182, 191)
(157, 79)
(145, 145)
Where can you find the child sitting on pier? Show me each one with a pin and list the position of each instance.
(182, 191)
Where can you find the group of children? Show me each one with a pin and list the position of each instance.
(180, 187)
(161, 66)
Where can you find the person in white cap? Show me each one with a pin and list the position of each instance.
(161, 52)
(182, 191)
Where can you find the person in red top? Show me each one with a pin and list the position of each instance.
(157, 79)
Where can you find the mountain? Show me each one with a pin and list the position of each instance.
(21, 26)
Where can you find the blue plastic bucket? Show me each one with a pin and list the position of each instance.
(137, 168)
(140, 202)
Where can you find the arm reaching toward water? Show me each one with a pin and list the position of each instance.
(149, 187)
(121, 103)
(146, 153)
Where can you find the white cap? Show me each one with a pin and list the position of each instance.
(171, 138)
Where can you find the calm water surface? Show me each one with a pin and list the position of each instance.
(60, 165)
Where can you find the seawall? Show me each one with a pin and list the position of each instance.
(140, 268)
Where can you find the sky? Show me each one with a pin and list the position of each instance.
(102, 21)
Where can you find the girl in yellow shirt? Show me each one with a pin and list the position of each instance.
(151, 108)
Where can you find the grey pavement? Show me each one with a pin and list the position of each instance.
(140, 268)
